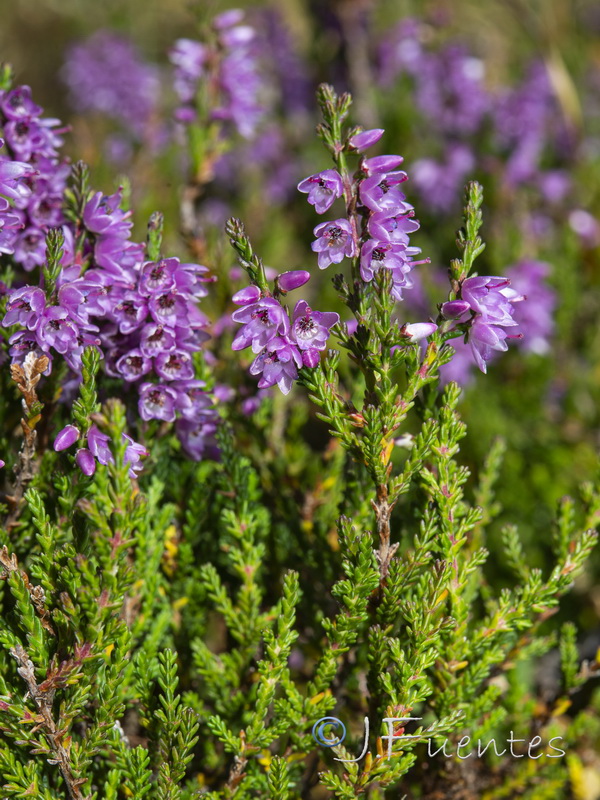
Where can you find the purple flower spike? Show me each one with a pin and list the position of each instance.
(66, 438)
(310, 329)
(334, 242)
(454, 309)
(323, 189)
(278, 364)
(365, 139)
(293, 279)
(85, 461)
(247, 295)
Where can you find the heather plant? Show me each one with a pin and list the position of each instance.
(217, 596)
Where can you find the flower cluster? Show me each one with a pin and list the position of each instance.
(32, 139)
(389, 218)
(485, 304)
(99, 290)
(89, 72)
(229, 69)
(281, 345)
(152, 323)
(97, 449)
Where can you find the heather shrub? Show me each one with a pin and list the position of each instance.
(300, 484)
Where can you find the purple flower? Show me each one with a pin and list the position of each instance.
(158, 277)
(189, 58)
(378, 165)
(155, 339)
(132, 456)
(323, 189)
(197, 437)
(174, 366)
(262, 321)
(57, 330)
(334, 242)
(36, 187)
(12, 174)
(484, 339)
(170, 309)
(365, 139)
(130, 313)
(380, 193)
(288, 281)
(30, 248)
(454, 309)
(395, 256)
(97, 443)
(311, 357)
(278, 364)
(192, 399)
(157, 401)
(67, 437)
(25, 307)
(17, 104)
(392, 229)
(310, 329)
(491, 298)
(102, 214)
(133, 365)
(247, 295)
(85, 461)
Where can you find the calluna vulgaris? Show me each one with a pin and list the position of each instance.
(191, 604)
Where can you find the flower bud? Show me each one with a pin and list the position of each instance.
(66, 438)
(381, 164)
(365, 139)
(293, 279)
(228, 18)
(249, 294)
(419, 330)
(310, 358)
(454, 309)
(85, 461)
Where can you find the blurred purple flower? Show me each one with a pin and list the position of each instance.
(106, 74)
